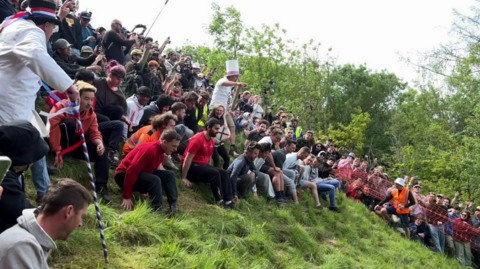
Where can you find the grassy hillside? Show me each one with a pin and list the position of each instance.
(257, 235)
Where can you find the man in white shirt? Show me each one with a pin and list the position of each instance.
(135, 108)
(25, 63)
(222, 95)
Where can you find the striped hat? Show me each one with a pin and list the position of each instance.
(42, 10)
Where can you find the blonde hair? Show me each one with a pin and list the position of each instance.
(217, 106)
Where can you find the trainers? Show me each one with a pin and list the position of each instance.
(104, 194)
(113, 157)
(233, 151)
(174, 208)
(171, 165)
(335, 209)
(230, 205)
(319, 207)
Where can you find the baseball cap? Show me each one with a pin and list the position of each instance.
(329, 139)
(87, 49)
(86, 15)
(352, 155)
(417, 186)
(477, 208)
(62, 44)
(172, 52)
(440, 195)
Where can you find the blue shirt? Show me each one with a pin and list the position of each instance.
(86, 32)
(240, 166)
(449, 224)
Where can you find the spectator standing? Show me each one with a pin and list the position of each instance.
(71, 30)
(23, 42)
(436, 219)
(28, 244)
(258, 111)
(463, 232)
(223, 93)
(22, 143)
(218, 113)
(89, 36)
(113, 43)
(297, 130)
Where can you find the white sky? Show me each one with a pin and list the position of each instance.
(359, 31)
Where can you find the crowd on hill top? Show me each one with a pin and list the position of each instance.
(167, 114)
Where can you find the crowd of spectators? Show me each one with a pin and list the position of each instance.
(167, 114)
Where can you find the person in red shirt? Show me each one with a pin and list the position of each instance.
(142, 171)
(195, 167)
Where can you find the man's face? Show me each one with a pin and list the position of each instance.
(170, 125)
(48, 28)
(294, 123)
(330, 162)
(263, 155)
(276, 138)
(446, 203)
(86, 100)
(330, 150)
(190, 103)
(208, 77)
(276, 125)
(291, 148)
(440, 200)
(136, 57)
(252, 154)
(65, 52)
(417, 189)
(86, 54)
(279, 112)
(431, 198)
(363, 166)
(329, 142)
(262, 127)
(143, 99)
(180, 114)
(477, 214)
(418, 222)
(233, 78)
(308, 136)
(219, 112)
(308, 160)
(117, 26)
(196, 70)
(202, 102)
(247, 96)
(398, 186)
(72, 219)
(170, 147)
(289, 133)
(84, 22)
(212, 132)
(303, 156)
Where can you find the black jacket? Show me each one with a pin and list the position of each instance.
(6, 10)
(71, 30)
(13, 201)
(113, 47)
(73, 64)
(324, 170)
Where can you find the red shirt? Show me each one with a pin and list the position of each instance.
(201, 148)
(145, 158)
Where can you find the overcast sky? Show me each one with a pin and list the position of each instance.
(359, 31)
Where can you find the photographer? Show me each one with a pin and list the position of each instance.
(113, 43)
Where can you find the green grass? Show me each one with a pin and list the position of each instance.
(257, 235)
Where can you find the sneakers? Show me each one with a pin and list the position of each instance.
(113, 157)
(104, 194)
(233, 151)
(320, 207)
(229, 205)
(335, 209)
(171, 165)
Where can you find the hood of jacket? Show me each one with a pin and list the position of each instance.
(134, 98)
(28, 221)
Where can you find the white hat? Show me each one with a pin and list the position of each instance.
(232, 68)
(400, 181)
(196, 65)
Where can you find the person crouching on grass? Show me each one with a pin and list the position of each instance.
(141, 171)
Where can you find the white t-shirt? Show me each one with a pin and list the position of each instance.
(221, 94)
(257, 111)
(290, 161)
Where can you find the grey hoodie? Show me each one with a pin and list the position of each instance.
(25, 245)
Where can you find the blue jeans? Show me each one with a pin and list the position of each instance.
(438, 236)
(329, 186)
(41, 180)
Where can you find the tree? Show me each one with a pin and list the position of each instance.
(226, 27)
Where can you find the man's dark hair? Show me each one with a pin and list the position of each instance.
(148, 39)
(85, 75)
(253, 145)
(163, 120)
(178, 106)
(265, 147)
(170, 135)
(190, 96)
(310, 132)
(332, 159)
(277, 131)
(62, 193)
(100, 30)
(295, 120)
(291, 128)
(305, 150)
(276, 122)
(205, 96)
(264, 122)
(290, 142)
(211, 122)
